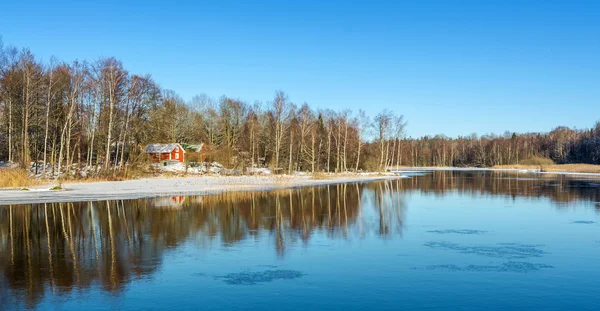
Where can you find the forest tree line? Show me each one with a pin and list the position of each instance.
(562, 145)
(98, 115)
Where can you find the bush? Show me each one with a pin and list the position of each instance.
(15, 178)
(539, 161)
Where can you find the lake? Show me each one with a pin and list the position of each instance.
(446, 240)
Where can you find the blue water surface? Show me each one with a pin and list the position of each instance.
(444, 240)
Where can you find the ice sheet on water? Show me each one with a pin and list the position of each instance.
(458, 231)
(511, 266)
(501, 250)
(253, 278)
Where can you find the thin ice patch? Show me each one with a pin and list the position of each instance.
(253, 278)
(269, 266)
(501, 250)
(511, 266)
(458, 231)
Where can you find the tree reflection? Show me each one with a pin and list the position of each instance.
(59, 247)
(558, 188)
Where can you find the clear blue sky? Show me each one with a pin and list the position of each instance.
(452, 67)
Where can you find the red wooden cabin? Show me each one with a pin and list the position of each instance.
(165, 152)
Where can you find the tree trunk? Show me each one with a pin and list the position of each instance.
(313, 160)
(252, 142)
(381, 148)
(93, 125)
(329, 149)
(338, 164)
(25, 124)
(68, 137)
(291, 146)
(63, 135)
(358, 153)
(48, 100)
(10, 128)
(399, 160)
(111, 102)
(345, 168)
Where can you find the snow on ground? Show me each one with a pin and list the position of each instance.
(161, 187)
(196, 168)
(258, 171)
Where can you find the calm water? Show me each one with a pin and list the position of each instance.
(444, 240)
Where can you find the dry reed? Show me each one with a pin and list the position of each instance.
(572, 168)
(15, 178)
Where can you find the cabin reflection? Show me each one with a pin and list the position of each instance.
(168, 202)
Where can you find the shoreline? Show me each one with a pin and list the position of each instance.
(213, 185)
(492, 169)
(165, 187)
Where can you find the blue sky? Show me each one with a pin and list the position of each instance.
(451, 67)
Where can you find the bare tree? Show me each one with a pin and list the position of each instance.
(77, 75)
(280, 111)
(383, 124)
(31, 73)
(113, 78)
(399, 126)
(363, 124)
(50, 82)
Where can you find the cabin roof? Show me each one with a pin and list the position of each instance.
(162, 148)
(195, 147)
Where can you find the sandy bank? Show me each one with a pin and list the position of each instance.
(147, 188)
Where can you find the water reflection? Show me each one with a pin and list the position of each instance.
(560, 189)
(53, 249)
(61, 246)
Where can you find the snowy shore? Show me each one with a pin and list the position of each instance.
(159, 187)
(210, 185)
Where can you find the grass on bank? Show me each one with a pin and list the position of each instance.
(571, 168)
(537, 161)
(320, 176)
(16, 178)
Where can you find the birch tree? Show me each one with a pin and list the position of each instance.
(50, 78)
(363, 124)
(383, 124)
(112, 78)
(280, 111)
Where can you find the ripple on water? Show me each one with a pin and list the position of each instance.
(511, 266)
(253, 278)
(584, 222)
(458, 231)
(501, 250)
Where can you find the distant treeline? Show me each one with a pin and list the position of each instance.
(97, 114)
(563, 145)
